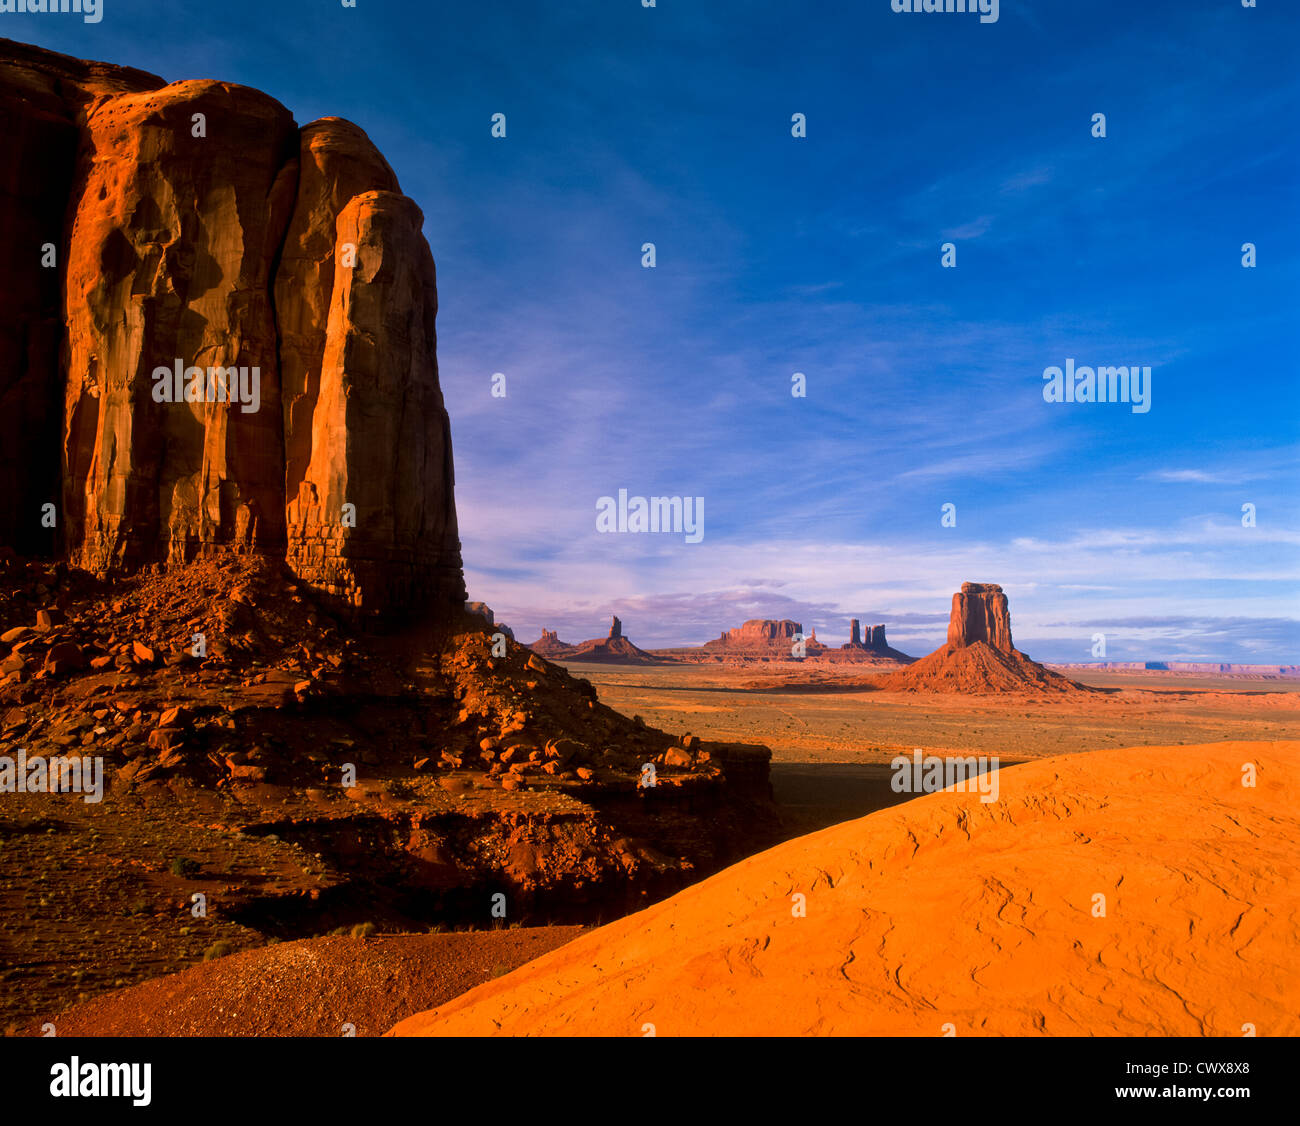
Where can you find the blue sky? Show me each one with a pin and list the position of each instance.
(821, 255)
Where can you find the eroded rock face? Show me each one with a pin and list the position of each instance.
(172, 243)
(484, 611)
(374, 521)
(336, 162)
(40, 96)
(980, 613)
(194, 227)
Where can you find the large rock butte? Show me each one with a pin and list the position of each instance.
(978, 658)
(980, 613)
(196, 225)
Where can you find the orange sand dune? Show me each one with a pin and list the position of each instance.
(947, 911)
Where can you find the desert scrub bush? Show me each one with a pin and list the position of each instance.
(183, 866)
(364, 930)
(218, 949)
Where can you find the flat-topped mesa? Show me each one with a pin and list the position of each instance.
(980, 613)
(249, 356)
(759, 633)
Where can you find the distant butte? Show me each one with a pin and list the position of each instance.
(979, 657)
(614, 649)
(874, 644)
(549, 645)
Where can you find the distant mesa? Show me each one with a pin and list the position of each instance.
(550, 645)
(979, 657)
(759, 635)
(770, 639)
(765, 638)
(1214, 668)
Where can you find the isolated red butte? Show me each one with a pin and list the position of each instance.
(980, 613)
(978, 657)
(257, 245)
(550, 645)
(614, 649)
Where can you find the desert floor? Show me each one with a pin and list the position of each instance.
(832, 742)
(833, 736)
(1140, 891)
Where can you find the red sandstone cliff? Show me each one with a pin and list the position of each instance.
(146, 226)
